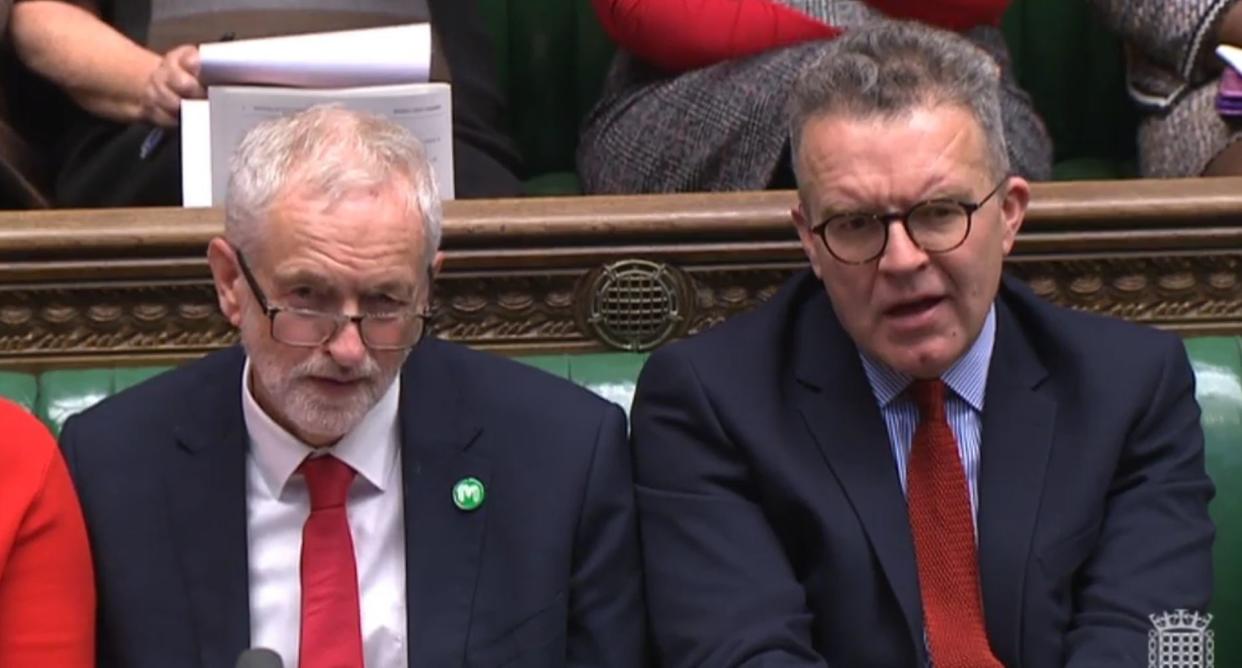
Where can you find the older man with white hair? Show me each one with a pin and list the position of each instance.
(342, 488)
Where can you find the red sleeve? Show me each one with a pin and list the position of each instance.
(47, 590)
(680, 35)
(949, 14)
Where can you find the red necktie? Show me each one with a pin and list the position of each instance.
(944, 539)
(331, 623)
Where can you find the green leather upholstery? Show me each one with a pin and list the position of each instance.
(54, 396)
(610, 375)
(553, 56)
(19, 387)
(65, 392)
(1218, 375)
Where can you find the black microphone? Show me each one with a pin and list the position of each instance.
(259, 657)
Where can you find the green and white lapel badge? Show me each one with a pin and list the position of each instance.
(469, 493)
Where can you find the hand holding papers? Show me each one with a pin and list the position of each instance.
(379, 70)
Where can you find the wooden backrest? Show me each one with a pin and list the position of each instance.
(534, 274)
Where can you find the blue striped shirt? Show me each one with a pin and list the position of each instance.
(967, 379)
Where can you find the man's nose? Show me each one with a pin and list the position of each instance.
(346, 346)
(901, 254)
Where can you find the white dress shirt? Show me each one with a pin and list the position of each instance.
(278, 504)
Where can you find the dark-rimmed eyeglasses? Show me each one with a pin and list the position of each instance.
(396, 330)
(935, 226)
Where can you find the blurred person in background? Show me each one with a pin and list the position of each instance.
(22, 172)
(127, 64)
(1174, 77)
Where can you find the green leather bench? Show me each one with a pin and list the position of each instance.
(55, 395)
(552, 57)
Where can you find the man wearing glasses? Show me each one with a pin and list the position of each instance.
(904, 459)
(341, 488)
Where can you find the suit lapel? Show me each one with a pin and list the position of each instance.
(1017, 435)
(443, 544)
(206, 486)
(836, 402)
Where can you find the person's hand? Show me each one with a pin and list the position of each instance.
(174, 80)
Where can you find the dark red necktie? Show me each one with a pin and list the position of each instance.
(331, 622)
(944, 539)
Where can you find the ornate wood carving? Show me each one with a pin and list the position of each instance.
(128, 285)
(83, 320)
(507, 310)
(722, 294)
(1189, 293)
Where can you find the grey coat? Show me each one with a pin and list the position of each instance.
(1170, 44)
(723, 127)
(1173, 77)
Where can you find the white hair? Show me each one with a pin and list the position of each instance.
(332, 151)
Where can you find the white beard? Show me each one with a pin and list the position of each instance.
(295, 402)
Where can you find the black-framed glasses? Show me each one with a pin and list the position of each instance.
(396, 330)
(935, 226)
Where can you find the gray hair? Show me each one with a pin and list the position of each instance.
(894, 67)
(333, 151)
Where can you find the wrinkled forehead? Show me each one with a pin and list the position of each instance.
(357, 210)
(913, 151)
(363, 225)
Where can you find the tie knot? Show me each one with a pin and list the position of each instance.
(328, 480)
(929, 395)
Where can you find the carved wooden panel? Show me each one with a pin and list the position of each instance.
(507, 310)
(722, 294)
(132, 285)
(1190, 293)
(111, 318)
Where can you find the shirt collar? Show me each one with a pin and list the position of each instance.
(370, 448)
(967, 377)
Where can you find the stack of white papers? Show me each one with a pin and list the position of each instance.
(383, 71)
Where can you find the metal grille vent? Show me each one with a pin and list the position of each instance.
(636, 304)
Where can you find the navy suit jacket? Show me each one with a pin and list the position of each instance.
(775, 530)
(544, 573)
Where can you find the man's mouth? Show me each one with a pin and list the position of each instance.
(334, 382)
(912, 307)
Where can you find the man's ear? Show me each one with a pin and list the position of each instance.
(433, 270)
(227, 278)
(803, 226)
(1013, 209)
(436, 263)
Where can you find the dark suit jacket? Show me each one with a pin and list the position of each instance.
(775, 530)
(545, 573)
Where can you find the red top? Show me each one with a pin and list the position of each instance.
(47, 589)
(680, 35)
